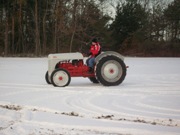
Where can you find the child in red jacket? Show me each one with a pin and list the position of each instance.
(95, 50)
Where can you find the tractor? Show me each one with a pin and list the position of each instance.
(109, 68)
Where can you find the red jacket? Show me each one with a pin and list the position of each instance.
(95, 49)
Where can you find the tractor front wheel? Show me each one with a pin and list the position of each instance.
(60, 77)
(47, 78)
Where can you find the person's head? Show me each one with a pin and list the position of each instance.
(94, 40)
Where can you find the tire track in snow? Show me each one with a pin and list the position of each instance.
(94, 102)
(22, 110)
(141, 99)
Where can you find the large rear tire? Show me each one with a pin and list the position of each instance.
(93, 80)
(60, 77)
(110, 70)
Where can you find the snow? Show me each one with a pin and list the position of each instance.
(146, 103)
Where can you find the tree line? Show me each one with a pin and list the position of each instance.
(147, 28)
(40, 27)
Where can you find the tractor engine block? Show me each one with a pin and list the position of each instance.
(76, 68)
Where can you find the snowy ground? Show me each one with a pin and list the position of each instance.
(146, 103)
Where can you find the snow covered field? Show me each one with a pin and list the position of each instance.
(146, 103)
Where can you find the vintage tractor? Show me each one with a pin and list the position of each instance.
(109, 68)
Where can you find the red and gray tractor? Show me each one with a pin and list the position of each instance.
(109, 68)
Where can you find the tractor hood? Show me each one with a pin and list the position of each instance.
(53, 59)
(65, 56)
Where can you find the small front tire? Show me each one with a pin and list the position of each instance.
(60, 78)
(47, 78)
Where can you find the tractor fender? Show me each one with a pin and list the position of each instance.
(112, 53)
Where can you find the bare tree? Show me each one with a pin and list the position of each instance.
(62, 25)
(37, 36)
(13, 28)
(44, 28)
(6, 37)
(74, 23)
(5, 15)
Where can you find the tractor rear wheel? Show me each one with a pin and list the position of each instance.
(47, 78)
(93, 79)
(60, 77)
(110, 70)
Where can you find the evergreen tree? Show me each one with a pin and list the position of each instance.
(172, 14)
(130, 17)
